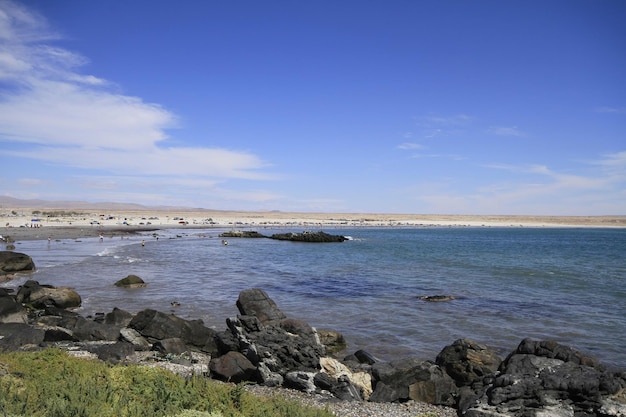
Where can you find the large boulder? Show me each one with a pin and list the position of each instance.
(155, 325)
(412, 379)
(12, 262)
(255, 302)
(233, 367)
(545, 378)
(16, 336)
(285, 346)
(467, 361)
(42, 296)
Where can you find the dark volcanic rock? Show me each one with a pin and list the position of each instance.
(11, 311)
(255, 302)
(315, 237)
(11, 262)
(155, 325)
(16, 336)
(467, 361)
(546, 378)
(412, 379)
(118, 317)
(113, 352)
(242, 233)
(172, 346)
(233, 367)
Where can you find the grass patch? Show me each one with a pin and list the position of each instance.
(50, 383)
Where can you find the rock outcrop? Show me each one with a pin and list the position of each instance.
(545, 378)
(314, 237)
(12, 262)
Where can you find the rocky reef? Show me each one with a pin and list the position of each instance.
(313, 237)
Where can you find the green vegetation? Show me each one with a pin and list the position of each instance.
(50, 383)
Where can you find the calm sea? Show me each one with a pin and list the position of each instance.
(567, 284)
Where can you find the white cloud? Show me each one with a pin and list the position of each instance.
(70, 119)
(410, 146)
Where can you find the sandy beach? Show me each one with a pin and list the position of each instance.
(40, 223)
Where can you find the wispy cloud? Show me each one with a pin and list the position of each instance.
(54, 113)
(536, 189)
(410, 146)
(506, 131)
(615, 110)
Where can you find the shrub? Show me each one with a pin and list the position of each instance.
(50, 383)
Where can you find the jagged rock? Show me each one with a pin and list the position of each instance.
(467, 361)
(339, 374)
(315, 237)
(267, 377)
(255, 302)
(301, 381)
(543, 378)
(233, 367)
(282, 349)
(113, 352)
(131, 281)
(16, 336)
(412, 379)
(12, 262)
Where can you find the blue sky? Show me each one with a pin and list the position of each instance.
(448, 107)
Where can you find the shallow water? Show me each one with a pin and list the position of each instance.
(563, 284)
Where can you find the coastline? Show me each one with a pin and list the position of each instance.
(41, 224)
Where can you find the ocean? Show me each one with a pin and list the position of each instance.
(564, 284)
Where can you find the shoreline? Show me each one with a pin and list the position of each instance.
(41, 224)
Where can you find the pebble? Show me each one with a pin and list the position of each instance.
(353, 408)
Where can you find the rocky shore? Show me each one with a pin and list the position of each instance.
(265, 348)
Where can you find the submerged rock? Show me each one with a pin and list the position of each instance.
(131, 281)
(436, 298)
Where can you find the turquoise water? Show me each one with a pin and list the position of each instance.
(510, 283)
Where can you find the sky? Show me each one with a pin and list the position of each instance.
(394, 106)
